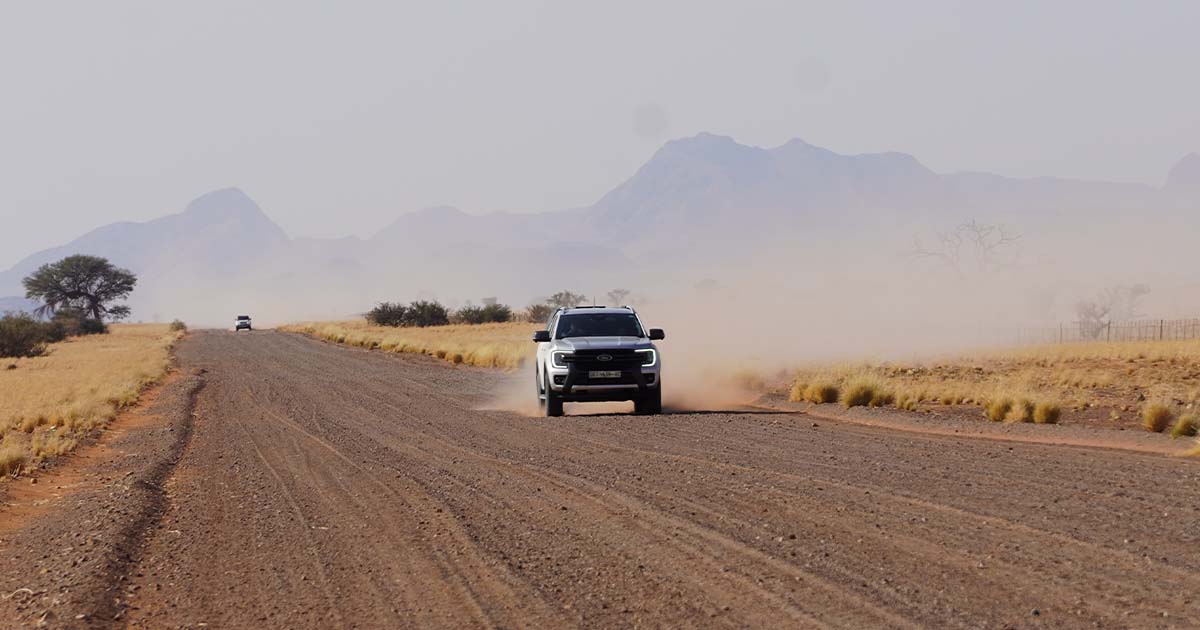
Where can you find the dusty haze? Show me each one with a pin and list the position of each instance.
(339, 117)
(770, 180)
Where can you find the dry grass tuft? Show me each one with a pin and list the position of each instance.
(1186, 426)
(863, 392)
(997, 409)
(48, 403)
(504, 345)
(821, 393)
(1156, 417)
(12, 458)
(1092, 380)
(1046, 413)
(906, 402)
(1021, 411)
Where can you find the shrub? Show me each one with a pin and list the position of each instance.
(1046, 413)
(24, 336)
(538, 313)
(797, 393)
(863, 392)
(387, 314)
(12, 457)
(882, 398)
(906, 402)
(424, 313)
(1185, 427)
(178, 326)
(1156, 417)
(1021, 411)
(996, 410)
(488, 313)
(74, 323)
(821, 393)
(92, 326)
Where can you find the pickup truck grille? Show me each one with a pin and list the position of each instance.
(584, 360)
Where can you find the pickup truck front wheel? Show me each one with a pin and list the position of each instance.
(650, 404)
(550, 401)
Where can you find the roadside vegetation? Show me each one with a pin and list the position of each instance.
(502, 344)
(1150, 385)
(488, 335)
(50, 402)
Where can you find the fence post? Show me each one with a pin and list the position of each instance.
(1160, 330)
(1108, 331)
(1060, 327)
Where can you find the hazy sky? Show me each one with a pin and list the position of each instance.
(337, 116)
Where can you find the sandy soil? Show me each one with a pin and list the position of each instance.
(318, 486)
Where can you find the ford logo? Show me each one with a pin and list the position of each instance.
(604, 357)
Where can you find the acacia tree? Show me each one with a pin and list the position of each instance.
(617, 297)
(1113, 303)
(566, 299)
(87, 284)
(970, 247)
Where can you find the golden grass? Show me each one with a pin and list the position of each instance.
(1186, 426)
(864, 392)
(1156, 417)
(997, 410)
(48, 403)
(1021, 411)
(1103, 382)
(507, 345)
(818, 393)
(1046, 413)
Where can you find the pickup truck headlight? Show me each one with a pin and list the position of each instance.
(649, 357)
(558, 358)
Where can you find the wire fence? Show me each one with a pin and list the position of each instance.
(1139, 330)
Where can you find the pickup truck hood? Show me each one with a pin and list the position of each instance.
(604, 343)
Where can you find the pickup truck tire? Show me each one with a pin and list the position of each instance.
(651, 404)
(552, 403)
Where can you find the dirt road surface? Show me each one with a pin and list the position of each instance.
(291, 483)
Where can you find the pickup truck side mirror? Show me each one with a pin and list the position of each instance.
(657, 334)
(541, 336)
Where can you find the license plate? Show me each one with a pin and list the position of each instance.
(604, 374)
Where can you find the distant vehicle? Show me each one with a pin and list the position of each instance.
(242, 323)
(594, 353)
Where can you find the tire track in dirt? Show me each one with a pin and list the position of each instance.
(333, 487)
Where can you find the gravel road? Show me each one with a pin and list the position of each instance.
(317, 486)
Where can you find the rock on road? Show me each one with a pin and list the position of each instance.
(319, 486)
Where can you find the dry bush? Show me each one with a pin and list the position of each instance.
(862, 392)
(1021, 411)
(12, 458)
(997, 409)
(906, 402)
(1186, 426)
(1046, 413)
(177, 326)
(821, 393)
(797, 392)
(1156, 417)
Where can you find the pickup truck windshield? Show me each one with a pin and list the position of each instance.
(599, 325)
